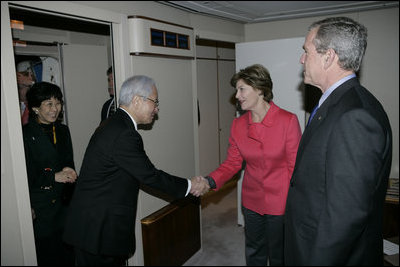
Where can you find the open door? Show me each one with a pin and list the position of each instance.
(74, 54)
(85, 84)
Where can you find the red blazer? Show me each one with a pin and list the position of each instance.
(269, 149)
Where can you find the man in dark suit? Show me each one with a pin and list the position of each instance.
(101, 221)
(335, 203)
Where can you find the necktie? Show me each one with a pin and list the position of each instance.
(312, 114)
(25, 116)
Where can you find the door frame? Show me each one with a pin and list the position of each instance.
(14, 176)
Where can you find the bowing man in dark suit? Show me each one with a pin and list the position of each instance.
(335, 203)
(101, 221)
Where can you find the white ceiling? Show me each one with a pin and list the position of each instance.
(262, 11)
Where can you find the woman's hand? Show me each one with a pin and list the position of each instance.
(67, 175)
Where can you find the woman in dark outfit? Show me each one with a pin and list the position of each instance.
(51, 174)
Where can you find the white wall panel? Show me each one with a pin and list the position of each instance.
(282, 59)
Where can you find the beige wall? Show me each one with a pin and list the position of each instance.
(142, 8)
(205, 27)
(380, 68)
(217, 29)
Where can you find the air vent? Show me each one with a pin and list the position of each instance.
(155, 37)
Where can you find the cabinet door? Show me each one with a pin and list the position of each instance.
(85, 85)
(227, 101)
(207, 93)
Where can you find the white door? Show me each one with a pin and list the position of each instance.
(226, 106)
(282, 59)
(85, 85)
(207, 95)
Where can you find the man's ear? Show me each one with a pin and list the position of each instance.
(135, 100)
(329, 57)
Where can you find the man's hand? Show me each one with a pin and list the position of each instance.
(200, 186)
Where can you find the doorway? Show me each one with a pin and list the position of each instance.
(73, 53)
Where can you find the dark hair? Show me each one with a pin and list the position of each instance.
(257, 76)
(40, 92)
(109, 71)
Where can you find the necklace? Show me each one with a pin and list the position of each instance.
(50, 131)
(54, 134)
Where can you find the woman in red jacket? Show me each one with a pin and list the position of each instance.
(266, 137)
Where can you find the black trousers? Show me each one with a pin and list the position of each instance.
(52, 251)
(264, 239)
(84, 258)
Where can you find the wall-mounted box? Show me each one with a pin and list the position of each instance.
(155, 37)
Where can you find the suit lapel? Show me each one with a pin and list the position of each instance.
(127, 120)
(323, 112)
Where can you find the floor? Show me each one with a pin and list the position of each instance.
(222, 237)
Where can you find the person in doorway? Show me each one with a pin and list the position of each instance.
(109, 106)
(51, 172)
(335, 202)
(266, 138)
(25, 80)
(101, 222)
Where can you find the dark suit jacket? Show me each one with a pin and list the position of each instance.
(335, 203)
(43, 160)
(103, 207)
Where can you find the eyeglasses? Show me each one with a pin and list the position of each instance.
(156, 102)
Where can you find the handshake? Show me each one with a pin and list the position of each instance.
(200, 186)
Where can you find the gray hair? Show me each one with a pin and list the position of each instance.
(136, 85)
(347, 37)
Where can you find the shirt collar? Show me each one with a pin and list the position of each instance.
(269, 117)
(134, 122)
(333, 87)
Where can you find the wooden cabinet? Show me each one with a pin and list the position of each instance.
(171, 235)
(390, 219)
(391, 210)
